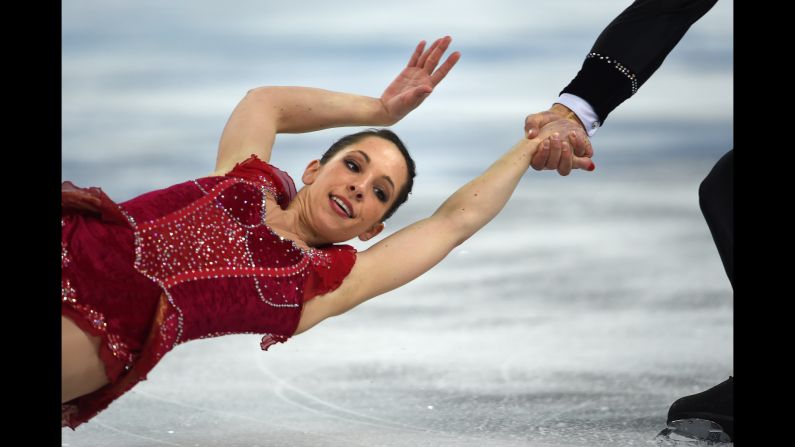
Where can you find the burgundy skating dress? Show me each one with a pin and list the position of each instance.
(191, 261)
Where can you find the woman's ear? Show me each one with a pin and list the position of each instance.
(310, 173)
(372, 232)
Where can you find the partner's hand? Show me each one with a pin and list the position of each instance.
(418, 79)
(579, 141)
(555, 151)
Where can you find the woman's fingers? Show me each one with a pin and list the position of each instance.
(436, 54)
(576, 143)
(556, 154)
(564, 168)
(424, 56)
(448, 65)
(588, 147)
(418, 95)
(417, 53)
(583, 163)
(539, 160)
(581, 159)
(554, 151)
(427, 60)
(581, 144)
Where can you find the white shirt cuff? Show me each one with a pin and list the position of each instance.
(583, 110)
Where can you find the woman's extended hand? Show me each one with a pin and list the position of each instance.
(418, 79)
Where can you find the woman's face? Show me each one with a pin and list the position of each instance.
(350, 194)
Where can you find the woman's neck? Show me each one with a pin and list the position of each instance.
(291, 223)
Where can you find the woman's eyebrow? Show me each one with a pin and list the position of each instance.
(367, 158)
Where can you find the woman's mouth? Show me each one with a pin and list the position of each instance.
(341, 207)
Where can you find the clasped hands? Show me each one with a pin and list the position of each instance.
(565, 145)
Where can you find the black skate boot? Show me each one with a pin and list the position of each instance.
(703, 419)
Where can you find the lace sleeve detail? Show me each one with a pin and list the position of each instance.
(93, 200)
(331, 266)
(269, 340)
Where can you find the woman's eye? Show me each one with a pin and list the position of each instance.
(380, 194)
(352, 166)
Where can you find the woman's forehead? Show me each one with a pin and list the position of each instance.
(380, 154)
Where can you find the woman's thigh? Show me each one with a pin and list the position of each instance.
(82, 371)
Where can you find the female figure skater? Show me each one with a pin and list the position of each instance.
(241, 251)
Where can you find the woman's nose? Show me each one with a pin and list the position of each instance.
(358, 192)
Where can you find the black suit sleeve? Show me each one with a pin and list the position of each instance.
(631, 49)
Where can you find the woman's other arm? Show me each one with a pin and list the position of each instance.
(267, 111)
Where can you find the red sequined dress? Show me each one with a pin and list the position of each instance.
(191, 261)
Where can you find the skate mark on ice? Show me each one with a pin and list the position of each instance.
(331, 410)
(234, 415)
(134, 435)
(281, 385)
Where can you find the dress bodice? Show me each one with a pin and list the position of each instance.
(224, 270)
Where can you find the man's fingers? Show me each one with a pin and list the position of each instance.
(533, 123)
(531, 126)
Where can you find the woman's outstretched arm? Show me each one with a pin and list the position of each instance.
(412, 251)
(267, 111)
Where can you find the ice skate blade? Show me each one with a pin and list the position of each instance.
(693, 432)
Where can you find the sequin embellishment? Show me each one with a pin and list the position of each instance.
(68, 293)
(618, 66)
(65, 259)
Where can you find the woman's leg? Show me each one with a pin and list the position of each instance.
(82, 371)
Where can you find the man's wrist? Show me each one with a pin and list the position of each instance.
(584, 111)
(565, 112)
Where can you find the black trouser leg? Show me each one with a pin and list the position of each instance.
(716, 197)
